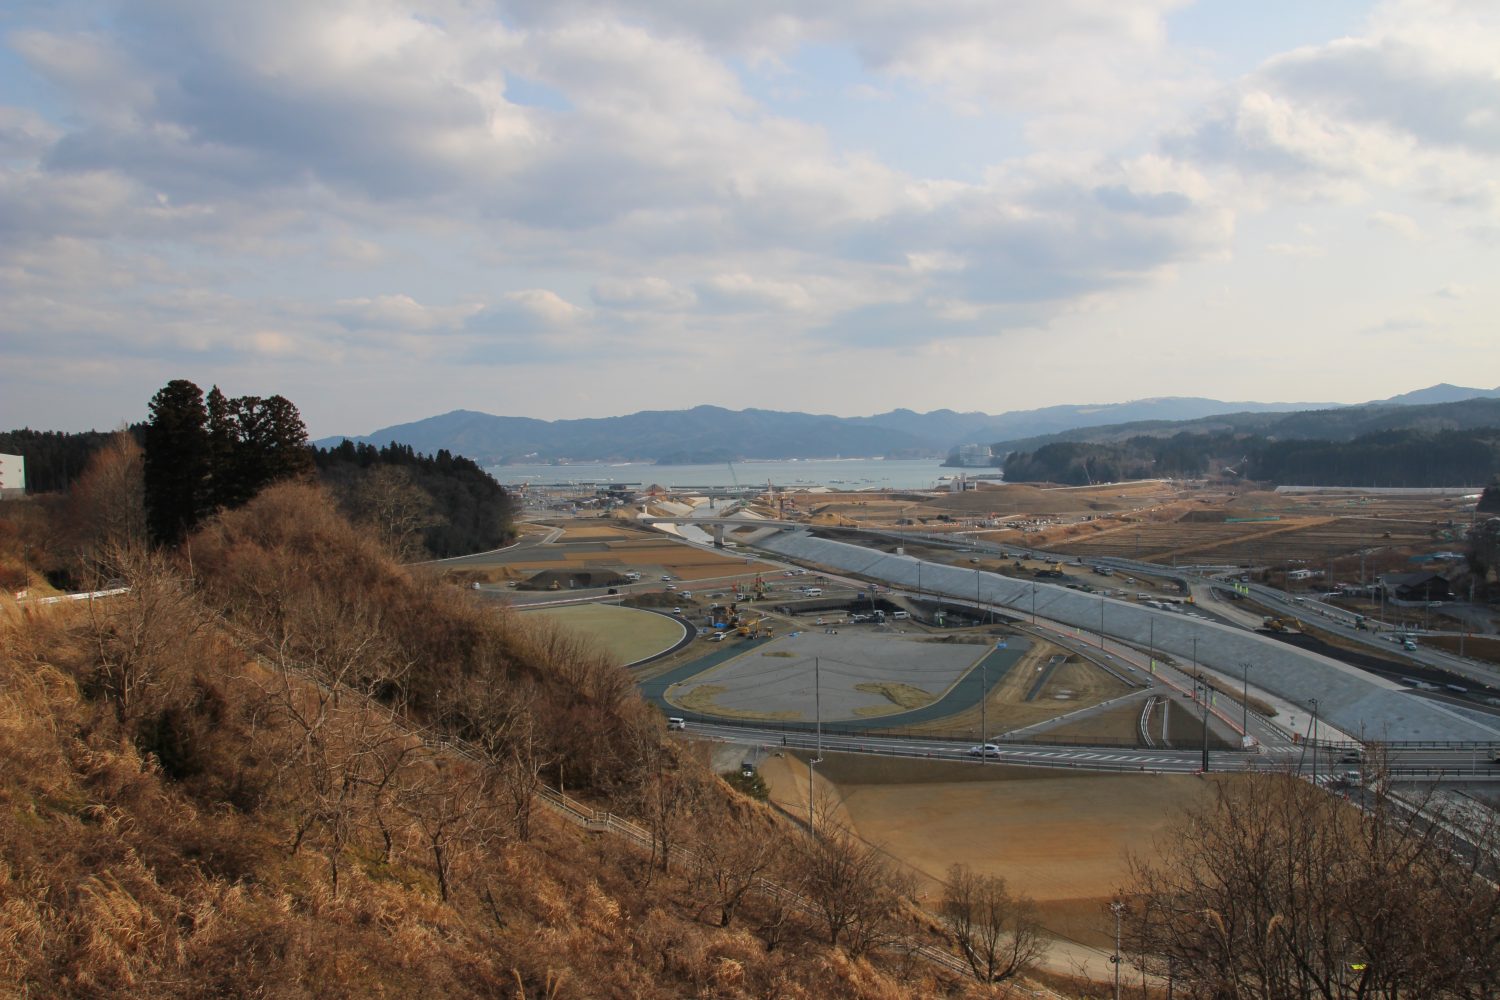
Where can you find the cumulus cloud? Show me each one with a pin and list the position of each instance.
(1409, 105)
(1397, 222)
(641, 293)
(478, 184)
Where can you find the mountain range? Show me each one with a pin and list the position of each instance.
(714, 434)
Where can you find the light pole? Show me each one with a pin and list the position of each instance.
(1313, 738)
(1204, 685)
(1245, 697)
(1033, 602)
(1117, 907)
(1101, 623)
(818, 755)
(984, 686)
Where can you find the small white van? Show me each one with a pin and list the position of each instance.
(814, 591)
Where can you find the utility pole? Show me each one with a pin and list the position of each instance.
(1033, 602)
(1101, 623)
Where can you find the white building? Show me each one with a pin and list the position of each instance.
(12, 476)
(974, 455)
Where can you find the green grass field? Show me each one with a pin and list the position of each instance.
(626, 633)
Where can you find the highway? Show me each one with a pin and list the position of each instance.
(1470, 765)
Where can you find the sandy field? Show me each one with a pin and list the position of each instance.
(625, 633)
(1059, 837)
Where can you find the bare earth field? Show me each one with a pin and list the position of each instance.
(625, 633)
(1059, 837)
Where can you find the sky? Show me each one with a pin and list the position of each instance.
(584, 208)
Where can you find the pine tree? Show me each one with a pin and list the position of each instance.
(177, 461)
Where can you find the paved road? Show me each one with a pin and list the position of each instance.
(1415, 764)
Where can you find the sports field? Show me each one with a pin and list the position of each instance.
(625, 633)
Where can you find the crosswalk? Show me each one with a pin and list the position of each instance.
(1101, 758)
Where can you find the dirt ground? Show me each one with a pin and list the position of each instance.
(1074, 684)
(1118, 723)
(1059, 837)
(625, 633)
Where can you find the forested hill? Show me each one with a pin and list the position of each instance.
(206, 453)
(54, 459)
(445, 501)
(1415, 458)
(1337, 424)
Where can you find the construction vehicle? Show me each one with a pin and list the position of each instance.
(1275, 625)
(746, 628)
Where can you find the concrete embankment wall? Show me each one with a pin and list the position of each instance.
(1356, 702)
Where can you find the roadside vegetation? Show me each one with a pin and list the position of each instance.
(1279, 889)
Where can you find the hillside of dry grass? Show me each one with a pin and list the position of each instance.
(236, 781)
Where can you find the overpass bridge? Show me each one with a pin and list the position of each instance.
(720, 523)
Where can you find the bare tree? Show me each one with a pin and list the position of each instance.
(998, 933)
(663, 793)
(1279, 889)
(396, 508)
(734, 855)
(858, 889)
(509, 733)
(106, 510)
(450, 805)
(144, 639)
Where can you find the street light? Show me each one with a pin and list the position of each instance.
(1313, 738)
(818, 755)
(1117, 908)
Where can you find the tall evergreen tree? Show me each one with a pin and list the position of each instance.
(223, 440)
(177, 461)
(286, 449)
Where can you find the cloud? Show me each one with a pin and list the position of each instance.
(400, 312)
(529, 311)
(732, 292)
(1410, 106)
(436, 184)
(1398, 223)
(641, 293)
(1297, 249)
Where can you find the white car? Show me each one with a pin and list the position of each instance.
(984, 750)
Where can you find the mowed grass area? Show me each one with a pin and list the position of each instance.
(625, 633)
(1060, 837)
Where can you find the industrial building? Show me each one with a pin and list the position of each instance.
(12, 476)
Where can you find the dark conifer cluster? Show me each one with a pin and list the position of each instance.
(213, 454)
